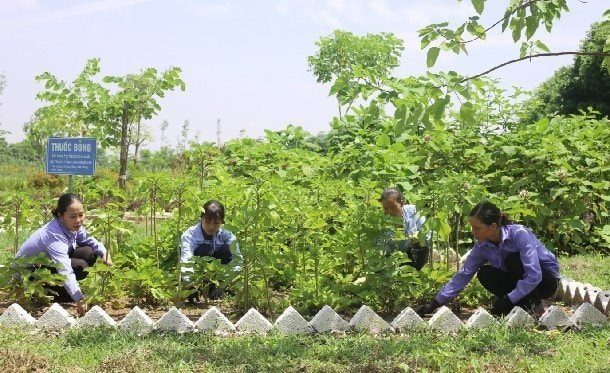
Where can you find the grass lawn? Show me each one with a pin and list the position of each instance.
(497, 350)
(494, 350)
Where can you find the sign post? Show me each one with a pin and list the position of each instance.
(71, 156)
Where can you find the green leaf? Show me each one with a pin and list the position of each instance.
(531, 25)
(540, 45)
(432, 56)
(478, 5)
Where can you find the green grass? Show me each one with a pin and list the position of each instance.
(497, 350)
(590, 268)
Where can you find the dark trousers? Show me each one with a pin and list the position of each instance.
(223, 253)
(80, 258)
(500, 282)
(417, 253)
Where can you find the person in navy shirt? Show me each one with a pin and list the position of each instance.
(510, 262)
(393, 204)
(66, 242)
(207, 238)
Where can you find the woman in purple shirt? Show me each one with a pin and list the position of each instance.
(66, 242)
(519, 271)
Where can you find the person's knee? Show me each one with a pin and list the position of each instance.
(84, 253)
(79, 267)
(514, 264)
(419, 256)
(224, 254)
(485, 274)
(548, 286)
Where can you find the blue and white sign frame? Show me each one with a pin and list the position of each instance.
(71, 155)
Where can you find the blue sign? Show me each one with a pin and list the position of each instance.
(71, 155)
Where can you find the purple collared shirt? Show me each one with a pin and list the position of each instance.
(516, 238)
(55, 240)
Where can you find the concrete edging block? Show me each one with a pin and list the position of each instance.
(291, 322)
(366, 319)
(253, 322)
(16, 316)
(555, 318)
(56, 317)
(445, 321)
(588, 314)
(561, 288)
(96, 317)
(174, 321)
(215, 322)
(517, 317)
(408, 319)
(327, 320)
(481, 319)
(602, 301)
(137, 321)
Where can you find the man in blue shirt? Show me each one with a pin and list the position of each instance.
(393, 204)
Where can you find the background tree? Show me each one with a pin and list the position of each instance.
(585, 84)
(164, 126)
(137, 100)
(2, 85)
(87, 108)
(353, 63)
(139, 135)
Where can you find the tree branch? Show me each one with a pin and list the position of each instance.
(593, 54)
(525, 5)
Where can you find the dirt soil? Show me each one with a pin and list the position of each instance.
(119, 310)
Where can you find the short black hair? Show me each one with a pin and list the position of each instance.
(213, 210)
(392, 192)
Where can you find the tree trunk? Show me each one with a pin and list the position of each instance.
(123, 155)
(138, 142)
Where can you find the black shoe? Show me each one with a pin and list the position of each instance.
(216, 293)
(194, 297)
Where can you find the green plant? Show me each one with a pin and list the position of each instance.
(27, 281)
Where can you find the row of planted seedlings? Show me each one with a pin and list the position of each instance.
(306, 241)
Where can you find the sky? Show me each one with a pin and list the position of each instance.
(244, 62)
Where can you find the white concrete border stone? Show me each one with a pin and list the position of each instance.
(555, 318)
(408, 319)
(445, 321)
(291, 322)
(174, 321)
(56, 317)
(137, 321)
(253, 322)
(213, 321)
(96, 317)
(367, 320)
(327, 320)
(481, 319)
(16, 316)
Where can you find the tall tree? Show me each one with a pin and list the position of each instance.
(575, 88)
(107, 113)
(354, 63)
(423, 102)
(135, 100)
(2, 85)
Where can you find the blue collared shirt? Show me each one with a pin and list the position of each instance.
(55, 240)
(516, 238)
(193, 237)
(412, 221)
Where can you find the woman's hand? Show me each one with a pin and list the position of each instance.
(106, 258)
(81, 308)
(427, 308)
